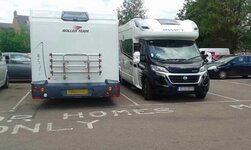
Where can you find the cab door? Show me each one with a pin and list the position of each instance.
(237, 66)
(248, 65)
(137, 72)
(19, 66)
(126, 60)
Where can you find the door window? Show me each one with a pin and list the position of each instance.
(127, 47)
(239, 60)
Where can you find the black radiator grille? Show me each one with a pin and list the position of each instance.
(184, 79)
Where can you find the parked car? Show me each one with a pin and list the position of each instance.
(19, 66)
(4, 80)
(230, 66)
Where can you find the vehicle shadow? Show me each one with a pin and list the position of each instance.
(20, 81)
(167, 98)
(76, 103)
(233, 78)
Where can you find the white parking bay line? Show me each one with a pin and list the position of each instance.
(237, 83)
(136, 104)
(20, 101)
(226, 97)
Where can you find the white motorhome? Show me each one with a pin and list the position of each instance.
(160, 56)
(74, 54)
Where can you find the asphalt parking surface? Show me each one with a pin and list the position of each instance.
(220, 121)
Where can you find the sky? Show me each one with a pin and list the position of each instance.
(156, 8)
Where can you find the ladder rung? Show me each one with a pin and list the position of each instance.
(76, 60)
(75, 54)
(59, 72)
(67, 66)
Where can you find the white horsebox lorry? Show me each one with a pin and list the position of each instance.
(160, 56)
(74, 54)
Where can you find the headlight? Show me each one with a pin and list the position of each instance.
(158, 68)
(203, 68)
(212, 68)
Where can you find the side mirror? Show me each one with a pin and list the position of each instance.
(136, 57)
(204, 57)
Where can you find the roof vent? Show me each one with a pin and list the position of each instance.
(145, 27)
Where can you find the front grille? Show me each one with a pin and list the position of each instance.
(184, 79)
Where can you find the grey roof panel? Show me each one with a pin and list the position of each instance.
(6, 26)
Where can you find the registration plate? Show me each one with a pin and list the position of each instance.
(77, 92)
(186, 88)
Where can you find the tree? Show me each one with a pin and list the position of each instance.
(131, 9)
(246, 41)
(14, 42)
(221, 23)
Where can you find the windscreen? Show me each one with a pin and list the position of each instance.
(173, 50)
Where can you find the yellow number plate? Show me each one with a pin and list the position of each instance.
(77, 92)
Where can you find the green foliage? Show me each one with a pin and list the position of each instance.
(221, 23)
(131, 9)
(14, 42)
(247, 41)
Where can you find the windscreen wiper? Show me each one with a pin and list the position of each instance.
(194, 57)
(173, 60)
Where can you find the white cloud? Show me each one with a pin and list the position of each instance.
(156, 8)
(163, 8)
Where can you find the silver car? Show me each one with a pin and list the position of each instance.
(4, 80)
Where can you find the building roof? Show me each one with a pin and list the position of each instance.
(22, 19)
(6, 26)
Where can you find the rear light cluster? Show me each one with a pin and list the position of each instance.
(41, 91)
(38, 89)
(110, 90)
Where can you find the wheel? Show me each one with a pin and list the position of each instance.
(201, 95)
(6, 85)
(223, 75)
(147, 91)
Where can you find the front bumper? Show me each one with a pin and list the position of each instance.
(163, 85)
(45, 90)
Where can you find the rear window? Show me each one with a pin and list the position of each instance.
(75, 16)
(239, 59)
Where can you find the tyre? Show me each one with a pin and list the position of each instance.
(121, 80)
(147, 91)
(201, 95)
(6, 85)
(222, 75)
